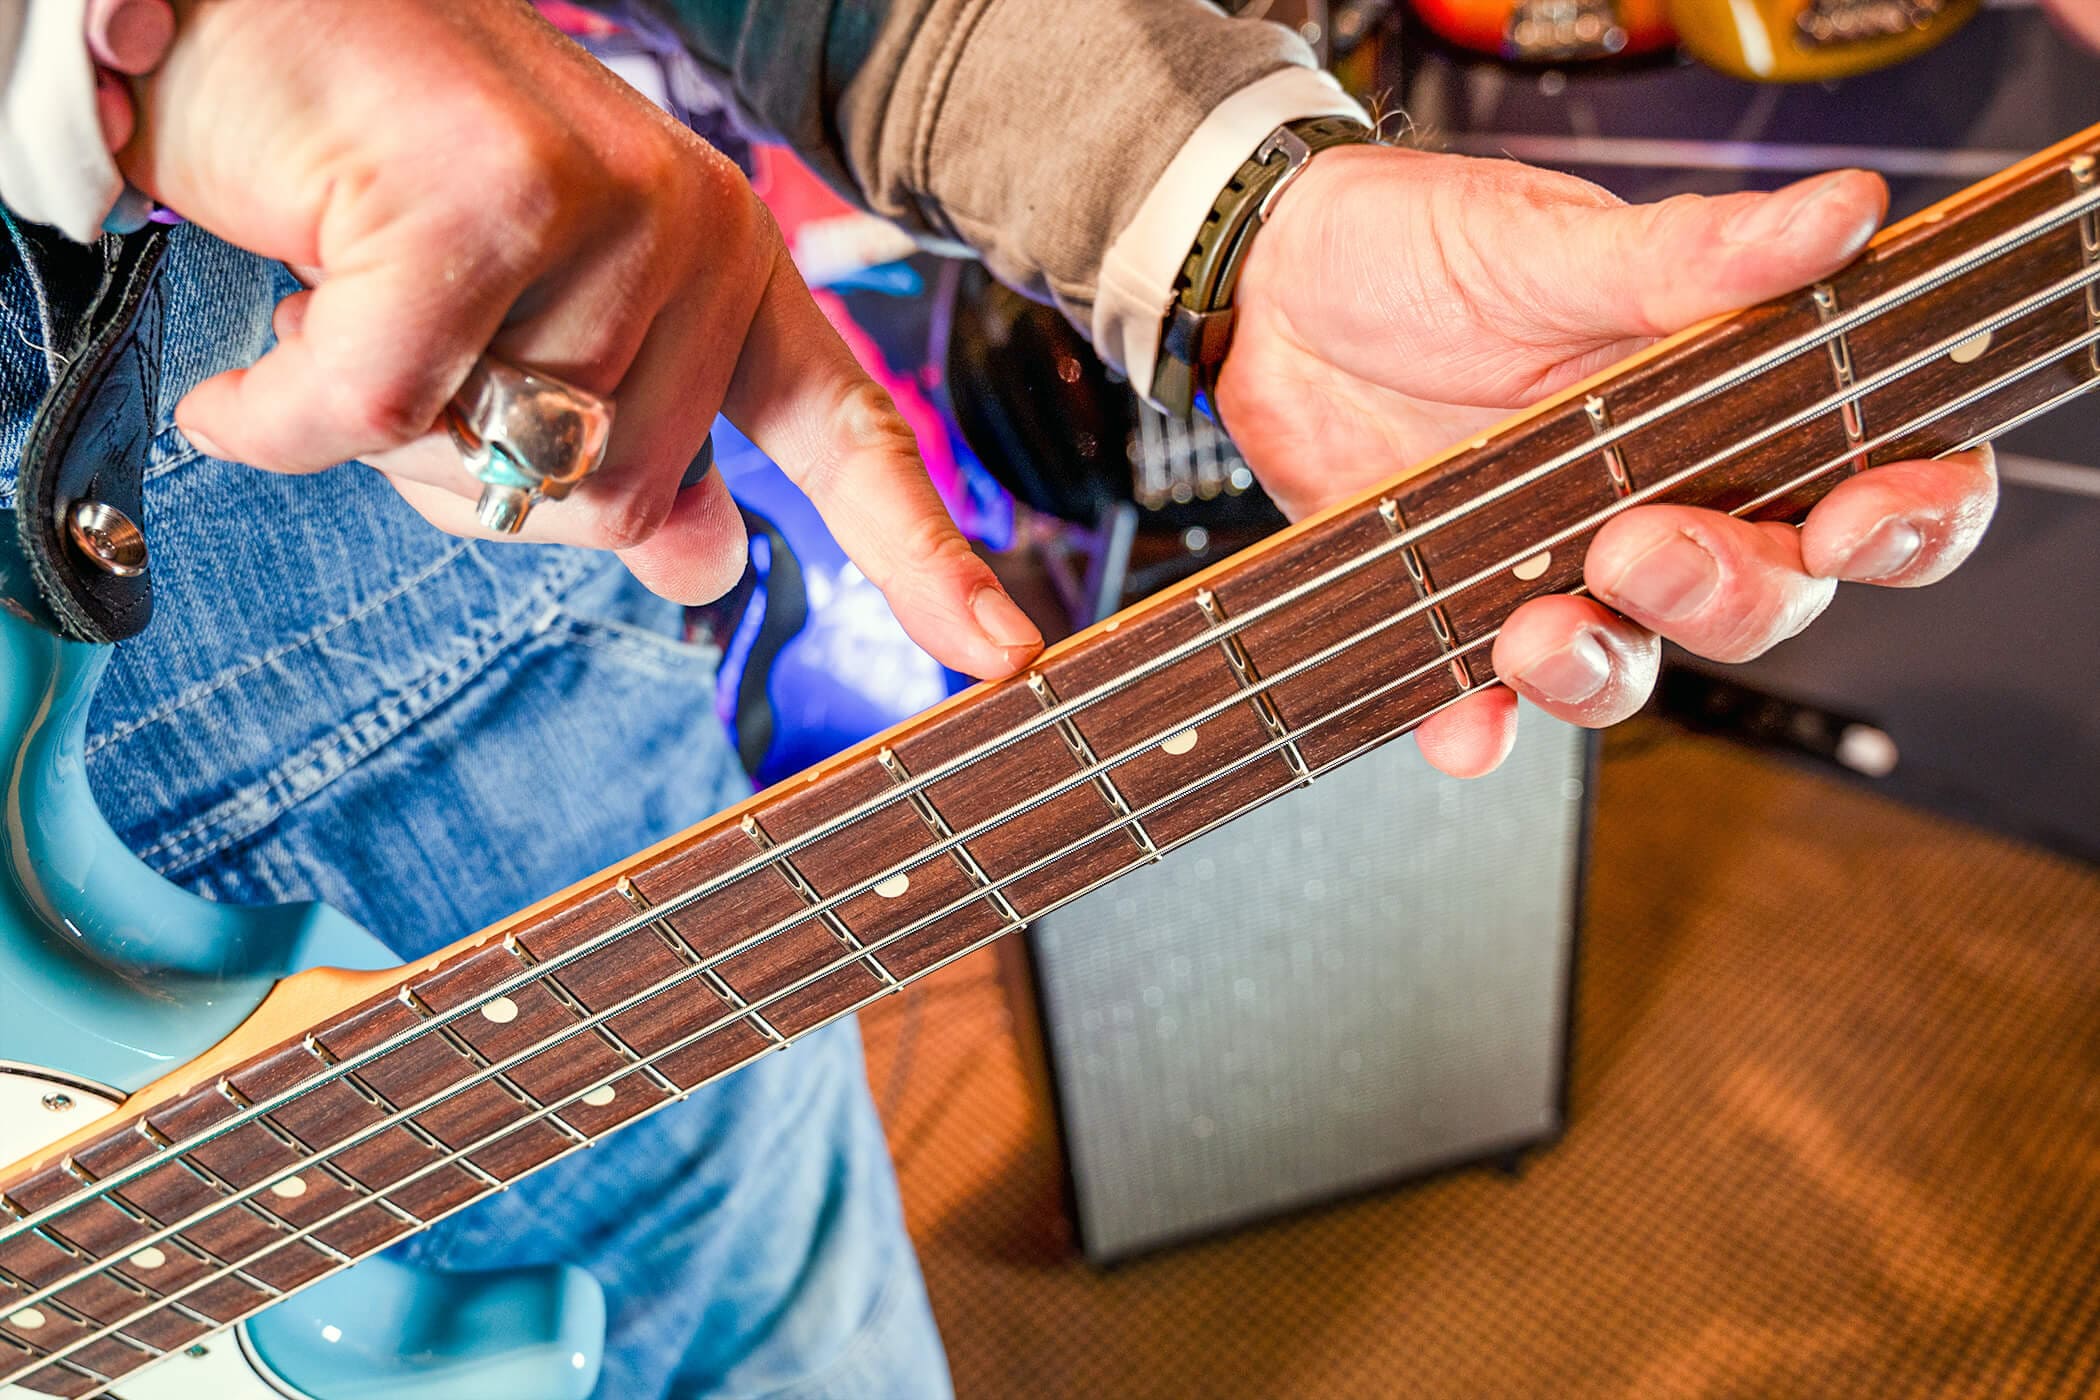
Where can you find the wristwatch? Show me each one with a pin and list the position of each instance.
(1199, 326)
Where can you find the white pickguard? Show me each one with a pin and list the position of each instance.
(220, 1367)
(26, 1124)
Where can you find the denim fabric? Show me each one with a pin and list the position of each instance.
(335, 701)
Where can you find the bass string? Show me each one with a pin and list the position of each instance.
(63, 1354)
(847, 960)
(1076, 780)
(1228, 702)
(1901, 295)
(675, 902)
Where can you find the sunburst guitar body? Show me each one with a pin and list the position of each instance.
(1550, 31)
(1807, 41)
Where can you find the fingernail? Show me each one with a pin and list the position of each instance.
(113, 108)
(1571, 674)
(205, 445)
(1770, 219)
(131, 36)
(1003, 621)
(1887, 549)
(1670, 581)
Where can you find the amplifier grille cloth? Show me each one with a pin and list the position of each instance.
(1358, 981)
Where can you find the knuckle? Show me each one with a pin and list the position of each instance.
(699, 192)
(867, 422)
(625, 522)
(863, 424)
(522, 169)
(392, 412)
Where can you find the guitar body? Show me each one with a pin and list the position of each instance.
(1550, 31)
(111, 977)
(1811, 41)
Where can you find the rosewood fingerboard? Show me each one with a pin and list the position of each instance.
(271, 1165)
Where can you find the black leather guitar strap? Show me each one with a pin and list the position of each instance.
(89, 440)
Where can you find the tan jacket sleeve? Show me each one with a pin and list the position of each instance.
(1030, 130)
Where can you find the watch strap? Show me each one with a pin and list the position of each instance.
(1199, 325)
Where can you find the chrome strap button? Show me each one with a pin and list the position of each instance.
(526, 437)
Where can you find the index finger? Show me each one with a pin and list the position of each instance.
(800, 396)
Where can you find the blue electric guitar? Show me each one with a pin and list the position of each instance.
(213, 1120)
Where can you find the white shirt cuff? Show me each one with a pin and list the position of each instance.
(1136, 289)
(54, 168)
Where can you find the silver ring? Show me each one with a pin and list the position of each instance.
(526, 437)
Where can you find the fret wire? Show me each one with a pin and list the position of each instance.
(1850, 415)
(1076, 743)
(1805, 478)
(811, 978)
(938, 825)
(1245, 674)
(2084, 170)
(713, 980)
(2025, 306)
(827, 913)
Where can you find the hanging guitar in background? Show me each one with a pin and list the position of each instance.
(1767, 41)
(1068, 436)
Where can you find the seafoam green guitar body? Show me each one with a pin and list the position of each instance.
(111, 977)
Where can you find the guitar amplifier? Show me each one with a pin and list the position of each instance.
(1365, 980)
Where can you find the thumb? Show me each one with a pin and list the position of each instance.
(1653, 269)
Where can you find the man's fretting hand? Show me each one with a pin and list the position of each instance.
(455, 178)
(1398, 302)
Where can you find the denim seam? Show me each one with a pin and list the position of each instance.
(54, 362)
(339, 751)
(204, 690)
(819, 1384)
(620, 638)
(160, 463)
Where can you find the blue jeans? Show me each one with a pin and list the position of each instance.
(335, 701)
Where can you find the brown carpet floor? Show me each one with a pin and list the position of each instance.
(1836, 1132)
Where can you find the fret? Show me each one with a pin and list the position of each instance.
(807, 893)
(176, 1262)
(938, 825)
(410, 1075)
(757, 899)
(1825, 298)
(1594, 409)
(982, 796)
(105, 1239)
(548, 1009)
(1418, 579)
(1244, 672)
(2083, 171)
(556, 1004)
(388, 1107)
(382, 1142)
(883, 874)
(2056, 319)
(1083, 753)
(712, 979)
(609, 1037)
(300, 1148)
(105, 1235)
(1289, 640)
(1135, 727)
